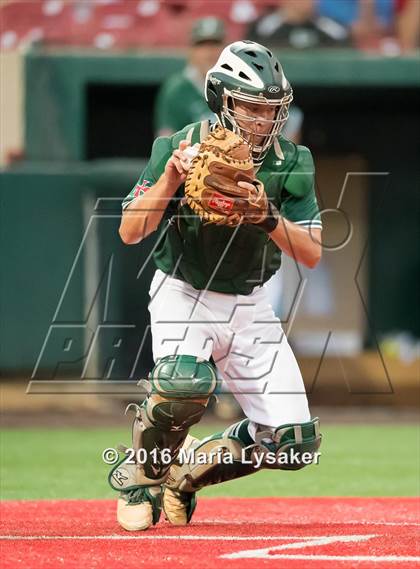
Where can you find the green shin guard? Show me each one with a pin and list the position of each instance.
(179, 389)
(233, 454)
(203, 462)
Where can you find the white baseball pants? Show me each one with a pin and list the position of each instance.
(245, 339)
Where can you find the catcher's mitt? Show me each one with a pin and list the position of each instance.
(211, 187)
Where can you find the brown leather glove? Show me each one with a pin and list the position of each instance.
(211, 187)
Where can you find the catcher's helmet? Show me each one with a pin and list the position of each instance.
(247, 71)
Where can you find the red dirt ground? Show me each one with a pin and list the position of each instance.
(297, 533)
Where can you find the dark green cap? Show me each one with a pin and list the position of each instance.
(208, 29)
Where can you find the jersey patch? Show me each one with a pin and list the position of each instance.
(141, 188)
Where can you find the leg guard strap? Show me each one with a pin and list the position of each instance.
(290, 447)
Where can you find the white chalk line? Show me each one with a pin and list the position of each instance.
(270, 552)
(151, 536)
(301, 542)
(267, 552)
(214, 521)
(305, 541)
(359, 558)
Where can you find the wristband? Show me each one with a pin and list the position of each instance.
(271, 221)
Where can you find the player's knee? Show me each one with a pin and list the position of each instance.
(181, 389)
(291, 446)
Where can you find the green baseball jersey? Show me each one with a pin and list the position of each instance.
(220, 258)
(180, 101)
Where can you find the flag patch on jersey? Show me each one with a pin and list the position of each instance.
(141, 188)
(222, 203)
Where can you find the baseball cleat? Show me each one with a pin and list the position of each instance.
(139, 508)
(178, 506)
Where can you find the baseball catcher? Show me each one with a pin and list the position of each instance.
(229, 198)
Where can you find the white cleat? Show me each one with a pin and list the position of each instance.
(135, 508)
(178, 506)
(134, 517)
(175, 508)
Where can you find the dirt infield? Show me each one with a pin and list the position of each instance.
(313, 533)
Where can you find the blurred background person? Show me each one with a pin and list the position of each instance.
(368, 21)
(298, 25)
(408, 24)
(180, 100)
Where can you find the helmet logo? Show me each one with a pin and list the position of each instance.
(214, 80)
(273, 89)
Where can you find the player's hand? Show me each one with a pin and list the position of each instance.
(272, 214)
(247, 186)
(179, 163)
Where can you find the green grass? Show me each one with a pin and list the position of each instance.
(356, 461)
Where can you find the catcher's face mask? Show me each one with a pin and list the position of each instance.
(257, 119)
